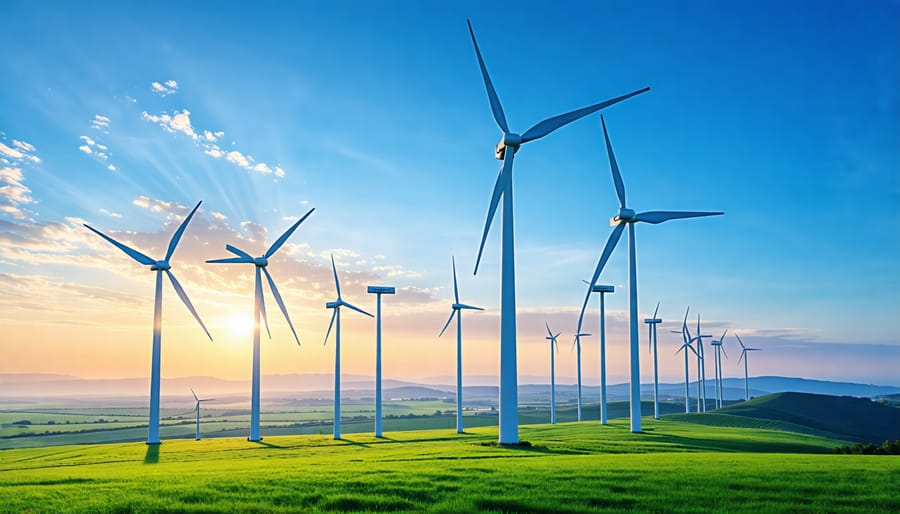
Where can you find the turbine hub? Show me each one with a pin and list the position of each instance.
(261, 262)
(160, 266)
(624, 215)
(509, 140)
(456, 306)
(332, 305)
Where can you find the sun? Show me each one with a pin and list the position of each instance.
(240, 325)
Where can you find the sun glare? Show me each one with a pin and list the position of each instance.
(240, 325)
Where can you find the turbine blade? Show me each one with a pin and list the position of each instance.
(557, 346)
(723, 350)
(656, 310)
(195, 395)
(284, 237)
(280, 302)
(230, 260)
(557, 335)
(328, 333)
(548, 329)
(607, 251)
(355, 308)
(743, 352)
(176, 237)
(614, 166)
(134, 254)
(262, 309)
(452, 313)
(496, 108)
(549, 125)
(655, 217)
(739, 341)
(187, 301)
(240, 253)
(499, 187)
(455, 287)
(337, 283)
(472, 307)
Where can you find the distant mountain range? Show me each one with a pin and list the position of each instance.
(319, 385)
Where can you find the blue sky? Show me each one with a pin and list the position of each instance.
(784, 115)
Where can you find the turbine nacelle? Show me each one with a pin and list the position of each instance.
(261, 262)
(508, 140)
(332, 305)
(657, 320)
(160, 266)
(624, 215)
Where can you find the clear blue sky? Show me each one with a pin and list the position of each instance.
(783, 114)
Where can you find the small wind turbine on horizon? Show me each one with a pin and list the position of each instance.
(503, 188)
(651, 342)
(720, 349)
(744, 350)
(336, 305)
(259, 309)
(628, 217)
(552, 338)
(686, 343)
(159, 267)
(197, 408)
(701, 367)
(576, 343)
(457, 309)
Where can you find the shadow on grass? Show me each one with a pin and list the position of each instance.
(736, 445)
(268, 445)
(152, 455)
(354, 443)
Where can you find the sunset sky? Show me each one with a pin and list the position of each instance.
(784, 115)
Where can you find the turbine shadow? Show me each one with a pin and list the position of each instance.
(152, 455)
(269, 445)
(354, 443)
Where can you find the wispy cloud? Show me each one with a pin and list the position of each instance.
(110, 214)
(177, 122)
(20, 150)
(98, 150)
(14, 194)
(100, 122)
(166, 88)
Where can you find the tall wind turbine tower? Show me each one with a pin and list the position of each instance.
(627, 217)
(744, 350)
(576, 344)
(457, 309)
(603, 290)
(651, 340)
(259, 309)
(378, 291)
(197, 408)
(505, 151)
(701, 368)
(160, 267)
(720, 349)
(336, 305)
(552, 338)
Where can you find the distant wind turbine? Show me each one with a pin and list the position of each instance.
(378, 291)
(552, 338)
(457, 309)
(577, 343)
(505, 151)
(701, 368)
(159, 267)
(259, 309)
(336, 305)
(197, 408)
(686, 337)
(628, 217)
(720, 349)
(744, 350)
(651, 341)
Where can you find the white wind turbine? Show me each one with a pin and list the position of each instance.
(336, 305)
(505, 151)
(457, 309)
(160, 267)
(744, 350)
(552, 338)
(259, 309)
(651, 341)
(576, 343)
(603, 289)
(701, 367)
(720, 349)
(686, 343)
(197, 408)
(628, 217)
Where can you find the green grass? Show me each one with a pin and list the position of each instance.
(572, 467)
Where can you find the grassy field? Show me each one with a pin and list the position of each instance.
(572, 467)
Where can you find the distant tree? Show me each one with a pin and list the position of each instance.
(22, 422)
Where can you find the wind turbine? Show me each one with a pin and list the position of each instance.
(552, 338)
(336, 305)
(505, 151)
(744, 356)
(159, 267)
(719, 351)
(603, 290)
(259, 308)
(628, 217)
(197, 408)
(378, 291)
(457, 309)
(651, 341)
(701, 368)
(686, 343)
(577, 343)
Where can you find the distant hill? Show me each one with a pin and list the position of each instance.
(838, 417)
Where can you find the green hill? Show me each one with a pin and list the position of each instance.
(837, 417)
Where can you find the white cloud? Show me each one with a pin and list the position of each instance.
(237, 158)
(158, 205)
(214, 151)
(110, 214)
(88, 140)
(279, 172)
(15, 154)
(111, 168)
(262, 168)
(102, 147)
(13, 192)
(219, 216)
(168, 88)
(209, 136)
(179, 122)
(86, 149)
(22, 145)
(100, 122)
